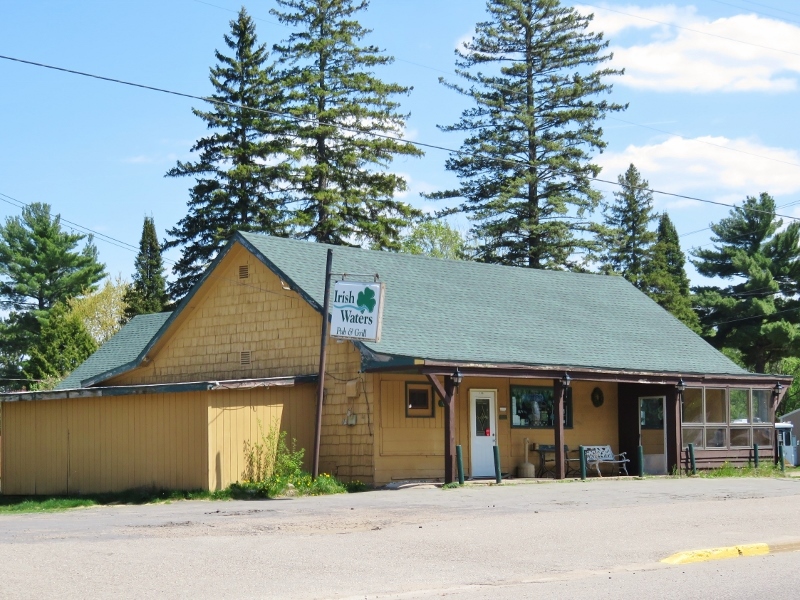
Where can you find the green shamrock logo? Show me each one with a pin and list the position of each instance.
(366, 300)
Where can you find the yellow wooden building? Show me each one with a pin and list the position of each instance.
(471, 354)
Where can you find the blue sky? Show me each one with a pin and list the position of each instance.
(713, 87)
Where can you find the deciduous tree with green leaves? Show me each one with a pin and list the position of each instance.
(241, 169)
(627, 239)
(343, 191)
(148, 291)
(434, 238)
(664, 275)
(758, 312)
(534, 73)
(102, 312)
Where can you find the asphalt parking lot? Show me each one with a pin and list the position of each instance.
(598, 539)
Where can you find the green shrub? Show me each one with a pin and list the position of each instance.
(765, 469)
(272, 469)
(356, 486)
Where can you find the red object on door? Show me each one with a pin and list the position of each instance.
(488, 433)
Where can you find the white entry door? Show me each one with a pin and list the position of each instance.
(653, 434)
(483, 422)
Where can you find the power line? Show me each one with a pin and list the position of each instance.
(714, 35)
(788, 12)
(752, 10)
(341, 128)
(347, 129)
(684, 197)
(506, 89)
(699, 141)
(102, 236)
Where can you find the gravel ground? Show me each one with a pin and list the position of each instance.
(595, 539)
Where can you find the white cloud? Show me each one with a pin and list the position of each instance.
(695, 167)
(701, 60)
(464, 39)
(414, 188)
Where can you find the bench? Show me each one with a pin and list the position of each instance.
(597, 455)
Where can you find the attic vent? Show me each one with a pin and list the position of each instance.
(244, 358)
(244, 271)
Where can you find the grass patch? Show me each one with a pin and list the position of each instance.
(453, 485)
(40, 504)
(766, 469)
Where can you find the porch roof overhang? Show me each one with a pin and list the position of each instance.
(160, 388)
(576, 373)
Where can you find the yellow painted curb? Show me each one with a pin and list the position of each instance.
(692, 556)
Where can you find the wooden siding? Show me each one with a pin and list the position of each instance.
(281, 331)
(237, 416)
(92, 445)
(229, 316)
(413, 448)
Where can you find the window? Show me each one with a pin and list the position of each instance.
(533, 407)
(419, 400)
(725, 418)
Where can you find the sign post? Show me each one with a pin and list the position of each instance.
(357, 315)
(323, 354)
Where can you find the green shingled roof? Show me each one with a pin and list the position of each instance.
(478, 313)
(467, 312)
(120, 350)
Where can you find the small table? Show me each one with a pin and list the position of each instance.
(548, 465)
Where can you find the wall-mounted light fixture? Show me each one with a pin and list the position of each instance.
(680, 386)
(457, 377)
(776, 391)
(566, 380)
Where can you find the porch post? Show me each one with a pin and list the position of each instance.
(447, 393)
(559, 391)
(672, 421)
(449, 431)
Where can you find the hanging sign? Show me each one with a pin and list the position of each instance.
(357, 310)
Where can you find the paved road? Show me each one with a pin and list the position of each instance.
(599, 539)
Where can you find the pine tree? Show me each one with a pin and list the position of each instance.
(627, 239)
(40, 265)
(148, 292)
(240, 172)
(344, 194)
(62, 345)
(664, 275)
(757, 313)
(532, 72)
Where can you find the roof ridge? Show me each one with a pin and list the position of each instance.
(425, 257)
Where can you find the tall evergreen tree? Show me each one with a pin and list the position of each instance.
(757, 313)
(533, 73)
(664, 275)
(62, 345)
(627, 239)
(345, 195)
(148, 291)
(240, 172)
(40, 265)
